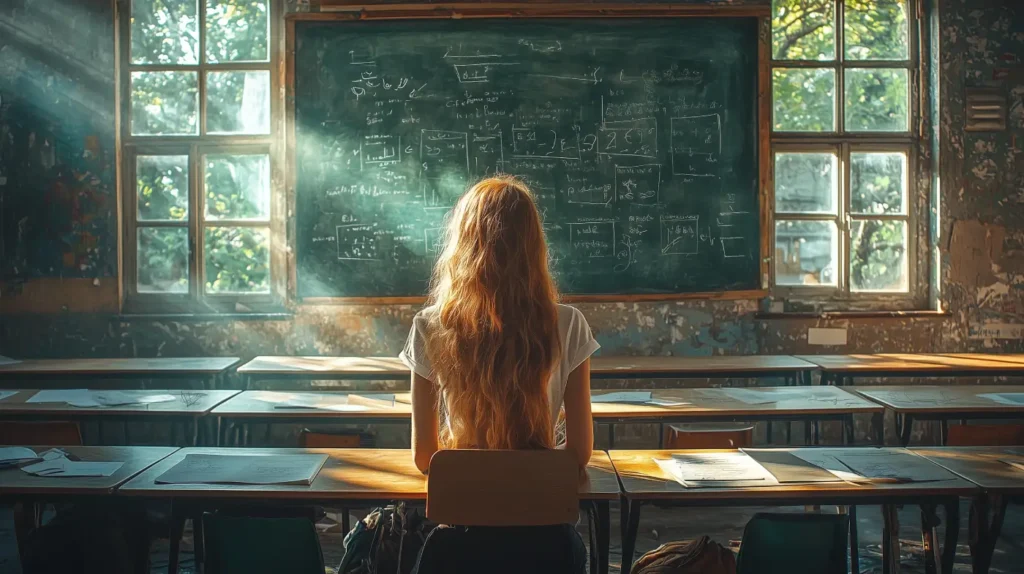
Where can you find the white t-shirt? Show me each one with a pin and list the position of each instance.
(578, 344)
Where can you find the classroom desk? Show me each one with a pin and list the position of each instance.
(716, 405)
(186, 410)
(208, 369)
(1017, 359)
(703, 405)
(247, 408)
(16, 485)
(644, 482)
(367, 476)
(941, 403)
(793, 370)
(842, 369)
(1000, 482)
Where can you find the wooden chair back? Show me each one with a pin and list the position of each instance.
(57, 433)
(709, 436)
(985, 435)
(503, 487)
(310, 439)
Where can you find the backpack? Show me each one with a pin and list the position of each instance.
(701, 556)
(387, 541)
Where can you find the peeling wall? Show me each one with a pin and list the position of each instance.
(981, 236)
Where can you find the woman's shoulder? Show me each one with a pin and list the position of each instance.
(569, 316)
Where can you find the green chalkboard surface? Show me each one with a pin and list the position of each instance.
(639, 138)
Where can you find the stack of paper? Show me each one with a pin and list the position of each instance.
(298, 469)
(54, 463)
(15, 455)
(85, 398)
(716, 469)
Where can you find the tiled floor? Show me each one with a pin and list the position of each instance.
(657, 526)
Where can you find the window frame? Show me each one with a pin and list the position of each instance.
(843, 143)
(197, 147)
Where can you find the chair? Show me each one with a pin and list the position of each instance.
(242, 545)
(985, 435)
(313, 439)
(785, 543)
(709, 436)
(509, 511)
(58, 433)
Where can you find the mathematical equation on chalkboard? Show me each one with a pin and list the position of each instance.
(643, 164)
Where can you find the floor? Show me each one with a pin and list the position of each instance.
(657, 526)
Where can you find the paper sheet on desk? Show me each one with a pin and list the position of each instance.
(85, 398)
(749, 396)
(716, 469)
(874, 465)
(1015, 399)
(8, 361)
(64, 468)
(5, 394)
(298, 469)
(13, 455)
(630, 397)
(324, 402)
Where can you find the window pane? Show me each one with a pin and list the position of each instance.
(162, 260)
(165, 103)
(237, 31)
(804, 99)
(876, 30)
(806, 182)
(806, 253)
(161, 182)
(878, 183)
(877, 100)
(803, 30)
(878, 256)
(165, 32)
(237, 260)
(237, 186)
(238, 102)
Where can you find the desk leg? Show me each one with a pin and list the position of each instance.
(177, 530)
(878, 428)
(604, 531)
(611, 436)
(266, 435)
(985, 530)
(849, 431)
(929, 539)
(592, 531)
(952, 514)
(194, 424)
(851, 512)
(629, 533)
(216, 431)
(943, 431)
(768, 432)
(890, 539)
(904, 425)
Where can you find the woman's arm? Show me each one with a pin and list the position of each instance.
(424, 421)
(579, 422)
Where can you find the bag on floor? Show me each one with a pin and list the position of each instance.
(387, 541)
(701, 556)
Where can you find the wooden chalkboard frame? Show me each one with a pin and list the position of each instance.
(343, 12)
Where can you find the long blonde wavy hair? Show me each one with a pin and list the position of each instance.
(493, 340)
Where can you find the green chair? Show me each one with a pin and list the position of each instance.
(785, 543)
(243, 545)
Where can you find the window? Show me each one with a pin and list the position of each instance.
(842, 147)
(197, 160)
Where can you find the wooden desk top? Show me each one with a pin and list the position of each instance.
(190, 402)
(120, 367)
(261, 404)
(600, 367)
(981, 465)
(972, 363)
(940, 399)
(312, 366)
(356, 473)
(718, 402)
(643, 479)
(1016, 359)
(13, 481)
(736, 365)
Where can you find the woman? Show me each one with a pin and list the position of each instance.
(494, 356)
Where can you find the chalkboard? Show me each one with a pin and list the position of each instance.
(639, 138)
